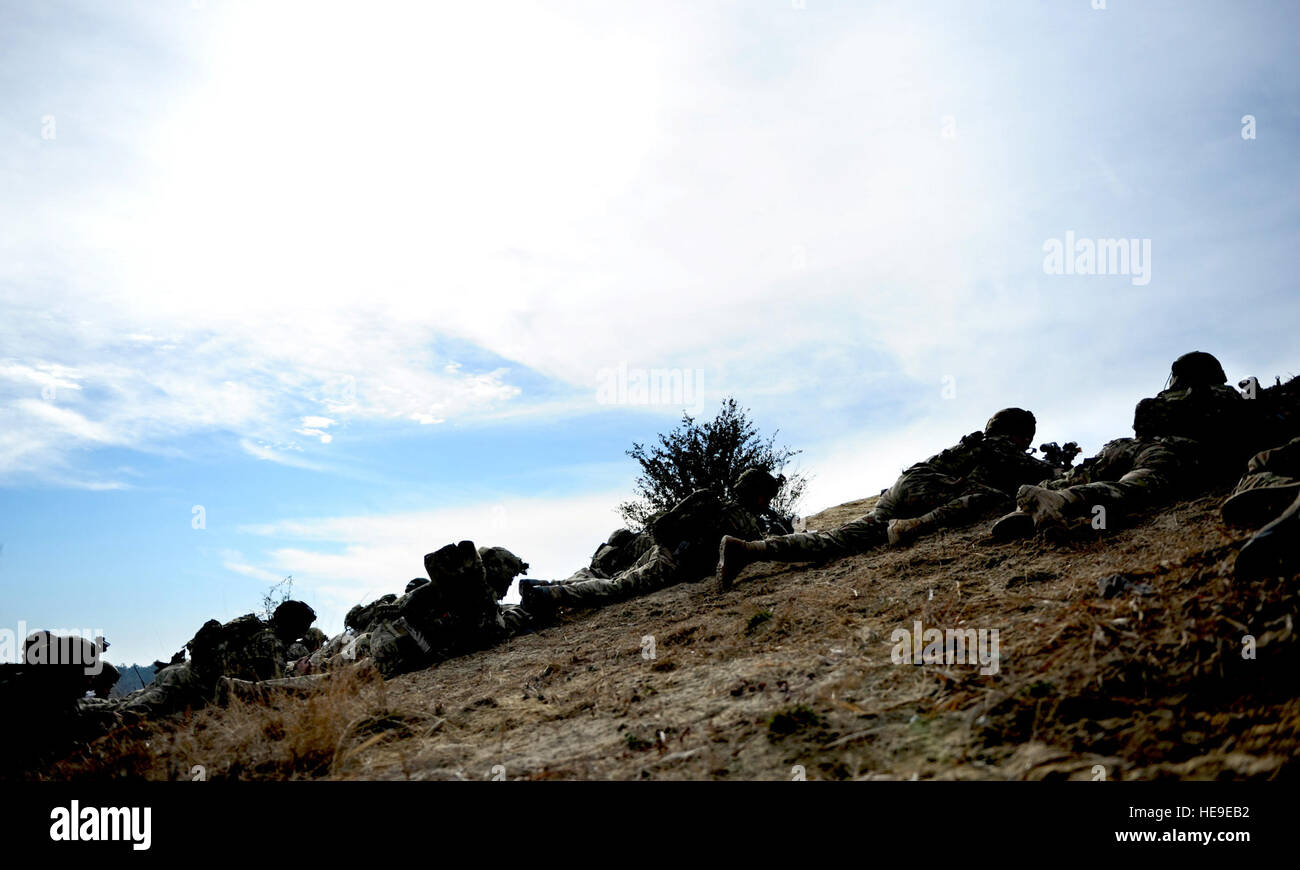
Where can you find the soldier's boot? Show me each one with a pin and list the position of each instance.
(1260, 498)
(734, 555)
(904, 531)
(1274, 550)
(539, 598)
(1037, 509)
(397, 650)
(1013, 526)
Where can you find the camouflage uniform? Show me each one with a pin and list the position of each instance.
(42, 697)
(362, 616)
(771, 523)
(975, 477)
(313, 640)
(246, 648)
(516, 619)
(624, 549)
(1279, 466)
(683, 549)
(454, 611)
(1269, 494)
(501, 567)
(457, 611)
(344, 648)
(1187, 438)
(174, 689)
(1271, 483)
(621, 551)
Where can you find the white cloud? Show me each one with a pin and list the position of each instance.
(298, 242)
(485, 216)
(282, 454)
(252, 571)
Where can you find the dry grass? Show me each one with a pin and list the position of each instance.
(283, 736)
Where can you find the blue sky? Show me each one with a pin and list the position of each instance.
(349, 277)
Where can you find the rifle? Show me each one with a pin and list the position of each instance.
(1061, 457)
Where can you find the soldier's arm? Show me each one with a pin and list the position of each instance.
(672, 527)
(780, 525)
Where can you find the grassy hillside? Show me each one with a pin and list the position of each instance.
(793, 667)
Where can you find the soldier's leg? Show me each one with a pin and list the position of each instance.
(858, 536)
(863, 534)
(911, 495)
(398, 648)
(517, 619)
(915, 492)
(1274, 550)
(656, 569)
(581, 574)
(1271, 483)
(974, 502)
(609, 560)
(1158, 470)
(1284, 460)
(263, 691)
(173, 690)
(918, 491)
(1259, 498)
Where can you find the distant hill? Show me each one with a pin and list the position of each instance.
(133, 677)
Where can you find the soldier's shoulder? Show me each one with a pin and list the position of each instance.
(1003, 444)
(1221, 392)
(247, 622)
(697, 498)
(964, 446)
(1228, 393)
(1117, 444)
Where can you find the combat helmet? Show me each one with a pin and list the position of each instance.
(501, 567)
(759, 483)
(292, 619)
(1012, 422)
(1196, 369)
